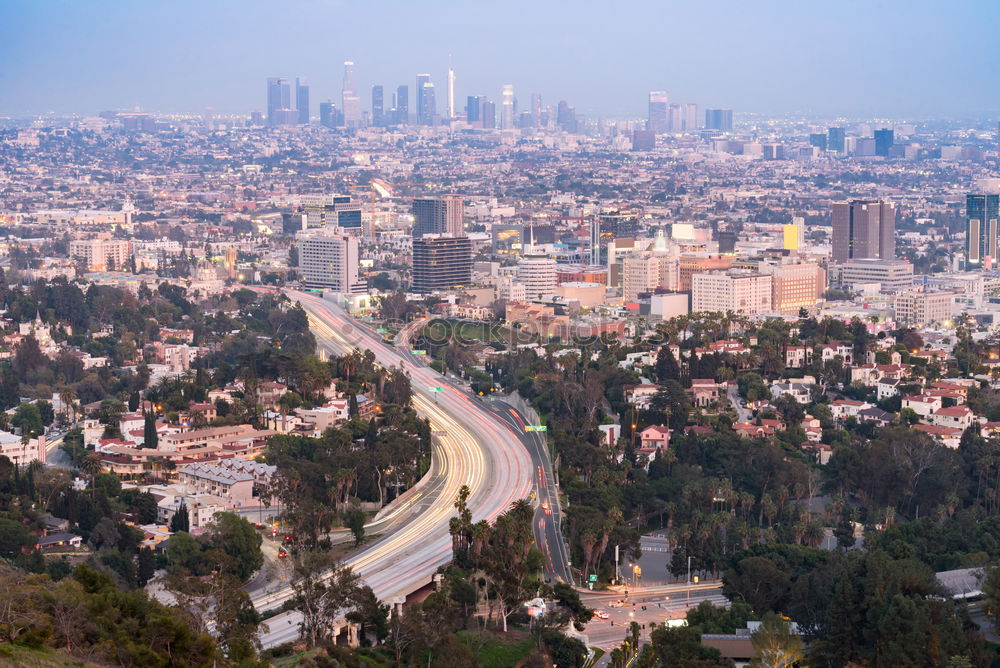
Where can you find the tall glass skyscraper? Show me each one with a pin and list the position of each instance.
(426, 105)
(302, 100)
(864, 230)
(657, 118)
(402, 105)
(279, 100)
(378, 107)
(982, 214)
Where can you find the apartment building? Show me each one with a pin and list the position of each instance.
(743, 292)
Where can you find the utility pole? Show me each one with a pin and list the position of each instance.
(618, 573)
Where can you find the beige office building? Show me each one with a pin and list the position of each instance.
(743, 292)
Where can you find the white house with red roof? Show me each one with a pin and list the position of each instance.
(922, 404)
(956, 417)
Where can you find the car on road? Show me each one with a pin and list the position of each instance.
(282, 554)
(546, 508)
(600, 614)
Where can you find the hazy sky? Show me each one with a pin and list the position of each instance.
(888, 58)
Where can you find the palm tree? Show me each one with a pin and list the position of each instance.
(91, 465)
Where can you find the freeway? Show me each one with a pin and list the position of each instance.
(470, 448)
(548, 516)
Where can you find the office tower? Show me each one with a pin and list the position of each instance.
(657, 116)
(441, 263)
(302, 100)
(595, 240)
(719, 119)
(402, 105)
(208, 118)
(643, 140)
(507, 108)
(690, 117)
(620, 224)
(425, 114)
(537, 273)
(727, 241)
(835, 138)
(864, 229)
(883, 142)
(279, 99)
(489, 112)
(675, 118)
(793, 235)
(982, 213)
(378, 107)
(924, 309)
(330, 116)
(438, 215)
(451, 92)
(566, 117)
(472, 110)
(256, 117)
(819, 140)
(350, 102)
(735, 290)
(536, 110)
(330, 261)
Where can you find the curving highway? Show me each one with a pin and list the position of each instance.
(470, 448)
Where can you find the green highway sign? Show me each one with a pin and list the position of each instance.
(436, 388)
(419, 352)
(531, 427)
(593, 577)
(382, 330)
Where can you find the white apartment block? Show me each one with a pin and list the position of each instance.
(330, 261)
(740, 292)
(644, 272)
(921, 309)
(101, 254)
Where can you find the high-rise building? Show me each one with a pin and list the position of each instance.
(891, 275)
(378, 106)
(330, 261)
(330, 116)
(883, 142)
(536, 110)
(350, 103)
(472, 110)
(507, 108)
(441, 262)
(101, 254)
(439, 215)
(302, 100)
(835, 139)
(657, 115)
(738, 291)
(425, 108)
(451, 92)
(675, 118)
(690, 117)
(719, 119)
(402, 106)
(923, 309)
(537, 273)
(279, 100)
(864, 229)
(982, 236)
(818, 139)
(489, 112)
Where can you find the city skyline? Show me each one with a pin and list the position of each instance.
(774, 59)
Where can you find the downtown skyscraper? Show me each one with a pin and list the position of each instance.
(507, 108)
(279, 102)
(350, 102)
(401, 106)
(302, 100)
(378, 106)
(451, 92)
(426, 104)
(657, 115)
